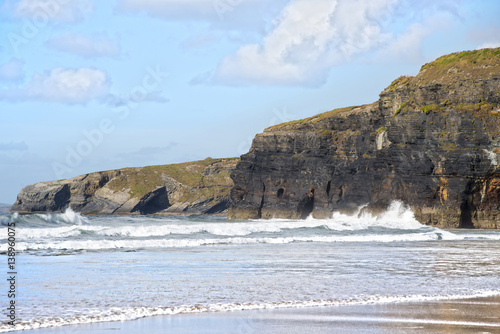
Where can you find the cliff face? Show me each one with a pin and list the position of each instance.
(431, 141)
(200, 187)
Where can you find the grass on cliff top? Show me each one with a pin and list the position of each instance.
(141, 181)
(404, 79)
(470, 57)
(477, 63)
(312, 120)
(450, 67)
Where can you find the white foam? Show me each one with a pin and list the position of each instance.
(397, 216)
(75, 232)
(222, 229)
(68, 217)
(142, 231)
(183, 243)
(125, 314)
(482, 236)
(8, 218)
(56, 232)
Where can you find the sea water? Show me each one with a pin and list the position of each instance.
(75, 269)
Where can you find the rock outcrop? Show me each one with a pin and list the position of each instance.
(431, 141)
(200, 187)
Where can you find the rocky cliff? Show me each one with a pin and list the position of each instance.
(431, 141)
(200, 187)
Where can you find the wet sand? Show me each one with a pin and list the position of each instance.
(479, 315)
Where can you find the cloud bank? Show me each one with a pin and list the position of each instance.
(68, 11)
(98, 46)
(183, 9)
(66, 85)
(312, 36)
(12, 70)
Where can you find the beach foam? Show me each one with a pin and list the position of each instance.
(125, 314)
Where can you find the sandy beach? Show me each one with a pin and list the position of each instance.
(479, 315)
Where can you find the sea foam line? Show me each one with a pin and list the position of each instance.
(127, 314)
(96, 245)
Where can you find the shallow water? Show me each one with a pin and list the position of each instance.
(75, 269)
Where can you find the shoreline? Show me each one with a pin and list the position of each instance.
(453, 315)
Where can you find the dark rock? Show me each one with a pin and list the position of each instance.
(431, 141)
(199, 187)
(153, 202)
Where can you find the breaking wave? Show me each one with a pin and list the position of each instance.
(70, 231)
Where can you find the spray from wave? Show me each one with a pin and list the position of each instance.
(70, 231)
(210, 265)
(68, 217)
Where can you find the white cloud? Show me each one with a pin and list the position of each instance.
(311, 37)
(485, 38)
(234, 15)
(61, 85)
(182, 9)
(98, 46)
(53, 10)
(12, 70)
(407, 45)
(115, 100)
(489, 45)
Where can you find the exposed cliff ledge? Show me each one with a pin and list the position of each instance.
(431, 141)
(200, 187)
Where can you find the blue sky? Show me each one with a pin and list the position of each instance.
(95, 85)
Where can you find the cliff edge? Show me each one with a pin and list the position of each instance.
(431, 141)
(199, 187)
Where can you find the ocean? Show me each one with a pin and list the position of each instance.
(75, 269)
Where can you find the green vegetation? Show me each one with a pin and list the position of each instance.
(451, 66)
(470, 57)
(447, 105)
(417, 95)
(432, 107)
(288, 124)
(140, 181)
(475, 107)
(311, 120)
(331, 113)
(449, 147)
(368, 156)
(402, 80)
(324, 132)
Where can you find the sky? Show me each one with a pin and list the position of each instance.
(89, 85)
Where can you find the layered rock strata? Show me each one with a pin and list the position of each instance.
(431, 141)
(200, 187)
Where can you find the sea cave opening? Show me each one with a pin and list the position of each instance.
(306, 205)
(466, 210)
